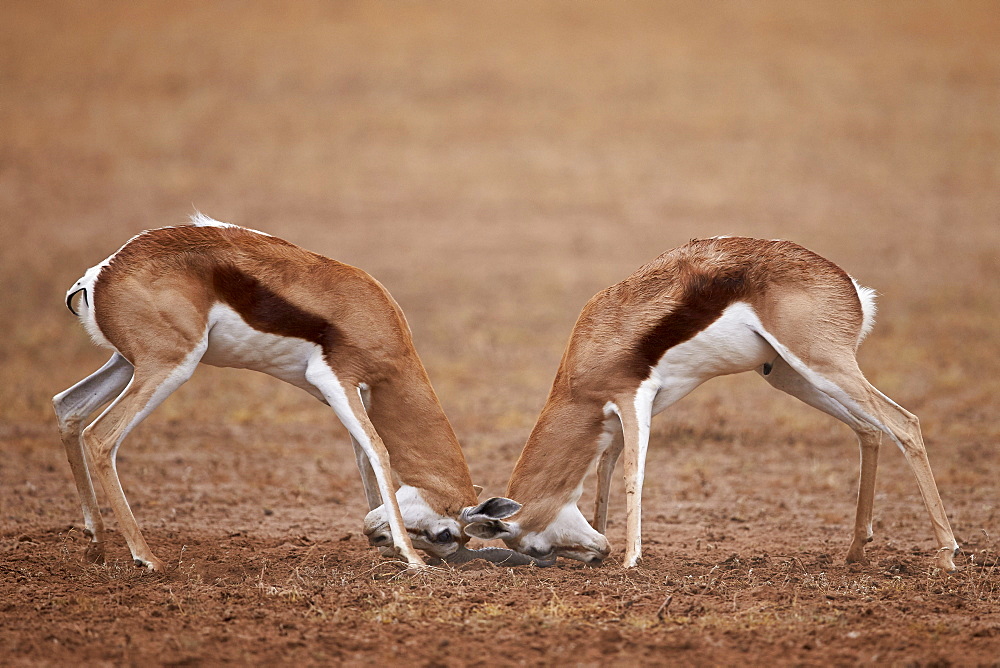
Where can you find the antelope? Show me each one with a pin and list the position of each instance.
(708, 308)
(224, 295)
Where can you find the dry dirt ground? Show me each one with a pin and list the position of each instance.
(495, 164)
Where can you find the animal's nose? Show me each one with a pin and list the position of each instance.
(600, 553)
(537, 554)
(379, 539)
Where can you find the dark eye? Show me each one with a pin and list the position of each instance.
(443, 537)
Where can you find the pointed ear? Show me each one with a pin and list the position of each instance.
(490, 529)
(478, 490)
(495, 508)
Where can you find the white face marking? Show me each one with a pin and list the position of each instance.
(569, 535)
(422, 524)
(234, 343)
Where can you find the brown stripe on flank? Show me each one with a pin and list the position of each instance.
(705, 296)
(266, 311)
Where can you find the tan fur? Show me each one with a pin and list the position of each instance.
(808, 303)
(152, 301)
(160, 279)
(783, 280)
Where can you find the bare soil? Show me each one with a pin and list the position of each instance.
(495, 164)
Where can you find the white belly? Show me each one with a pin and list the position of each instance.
(234, 343)
(728, 345)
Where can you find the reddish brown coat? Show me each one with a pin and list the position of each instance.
(623, 332)
(166, 281)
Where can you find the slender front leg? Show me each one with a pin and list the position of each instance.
(605, 469)
(368, 479)
(351, 411)
(635, 414)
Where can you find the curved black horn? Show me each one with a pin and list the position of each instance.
(496, 555)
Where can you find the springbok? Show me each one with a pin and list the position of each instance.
(708, 308)
(228, 296)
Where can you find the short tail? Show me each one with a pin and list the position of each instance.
(73, 293)
(85, 285)
(84, 306)
(868, 309)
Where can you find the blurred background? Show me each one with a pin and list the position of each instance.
(496, 164)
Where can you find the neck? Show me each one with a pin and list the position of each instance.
(422, 445)
(560, 450)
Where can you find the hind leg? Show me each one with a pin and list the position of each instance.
(904, 429)
(152, 382)
(73, 407)
(842, 391)
(781, 376)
